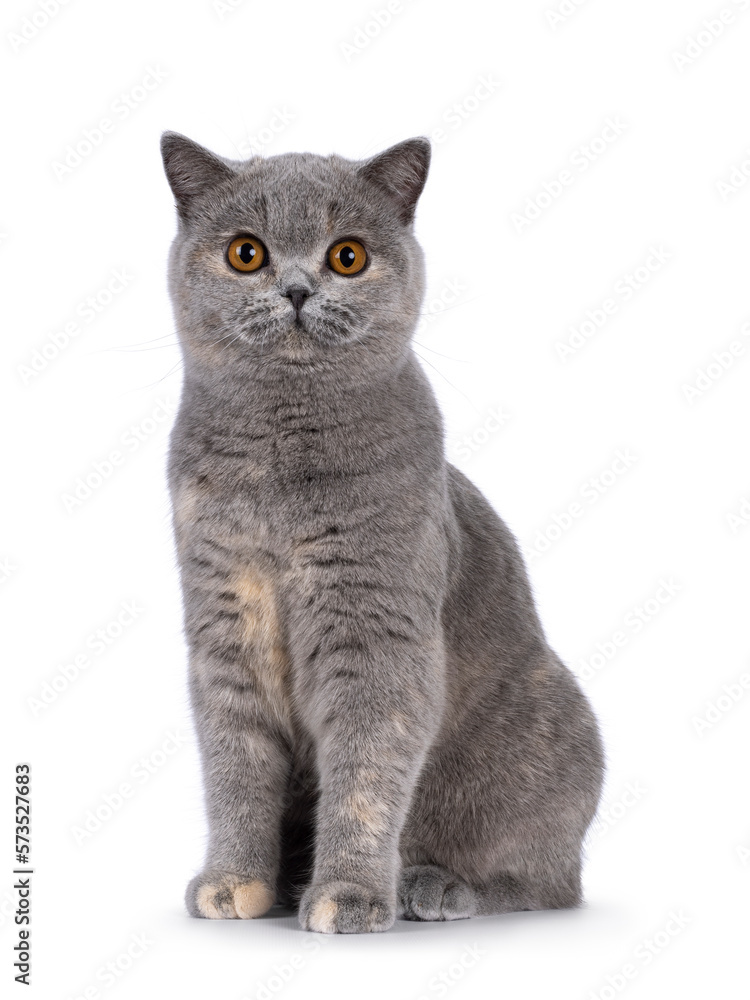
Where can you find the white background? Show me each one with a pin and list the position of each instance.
(674, 832)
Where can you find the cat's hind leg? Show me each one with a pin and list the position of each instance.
(431, 892)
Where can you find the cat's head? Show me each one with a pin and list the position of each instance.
(297, 259)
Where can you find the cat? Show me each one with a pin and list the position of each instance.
(384, 731)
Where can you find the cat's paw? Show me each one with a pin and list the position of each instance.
(221, 895)
(429, 892)
(345, 908)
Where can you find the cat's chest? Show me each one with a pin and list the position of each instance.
(233, 508)
(287, 443)
(254, 513)
(270, 482)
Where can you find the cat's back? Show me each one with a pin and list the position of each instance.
(490, 624)
(488, 568)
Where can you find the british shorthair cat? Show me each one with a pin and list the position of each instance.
(384, 729)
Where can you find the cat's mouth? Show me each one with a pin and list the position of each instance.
(295, 346)
(303, 336)
(311, 332)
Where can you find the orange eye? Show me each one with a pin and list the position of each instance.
(246, 253)
(347, 257)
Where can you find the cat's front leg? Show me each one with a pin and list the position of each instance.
(374, 714)
(246, 767)
(238, 685)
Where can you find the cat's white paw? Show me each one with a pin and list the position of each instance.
(345, 908)
(227, 896)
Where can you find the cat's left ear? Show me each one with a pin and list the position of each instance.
(191, 169)
(401, 171)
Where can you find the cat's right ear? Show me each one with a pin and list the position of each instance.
(401, 172)
(191, 169)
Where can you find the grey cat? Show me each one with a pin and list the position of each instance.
(384, 730)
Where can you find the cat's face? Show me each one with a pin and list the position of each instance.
(296, 259)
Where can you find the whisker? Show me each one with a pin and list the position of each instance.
(451, 305)
(152, 339)
(159, 380)
(134, 350)
(459, 391)
(236, 337)
(463, 361)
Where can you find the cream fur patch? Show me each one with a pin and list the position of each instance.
(323, 916)
(206, 902)
(252, 900)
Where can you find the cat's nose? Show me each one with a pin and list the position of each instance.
(297, 295)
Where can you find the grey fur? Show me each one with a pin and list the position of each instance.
(383, 727)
